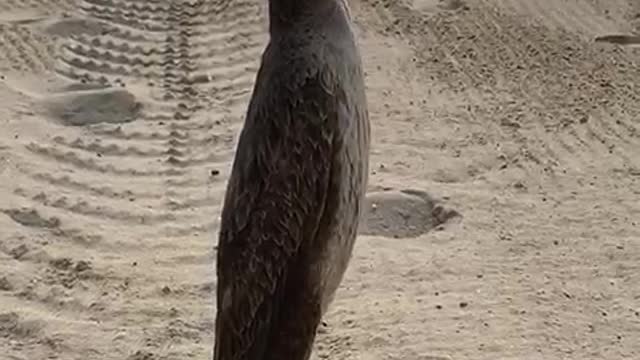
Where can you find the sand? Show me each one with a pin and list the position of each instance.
(504, 200)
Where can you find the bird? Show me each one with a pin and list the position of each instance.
(295, 194)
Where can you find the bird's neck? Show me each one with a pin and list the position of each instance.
(283, 14)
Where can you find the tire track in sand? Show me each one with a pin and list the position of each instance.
(127, 169)
(564, 110)
(593, 95)
(557, 84)
(586, 18)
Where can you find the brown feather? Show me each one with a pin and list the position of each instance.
(294, 195)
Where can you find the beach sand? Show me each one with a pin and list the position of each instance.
(504, 199)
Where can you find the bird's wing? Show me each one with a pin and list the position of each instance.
(275, 199)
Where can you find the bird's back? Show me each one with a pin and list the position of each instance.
(301, 156)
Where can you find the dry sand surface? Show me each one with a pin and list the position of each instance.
(504, 196)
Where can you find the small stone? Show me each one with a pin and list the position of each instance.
(61, 264)
(82, 266)
(19, 252)
(5, 285)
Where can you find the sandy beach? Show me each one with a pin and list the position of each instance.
(503, 212)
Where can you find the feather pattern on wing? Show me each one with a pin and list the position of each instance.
(274, 203)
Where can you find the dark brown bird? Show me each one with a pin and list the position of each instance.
(295, 194)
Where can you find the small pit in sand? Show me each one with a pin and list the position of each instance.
(619, 39)
(403, 214)
(73, 26)
(115, 107)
